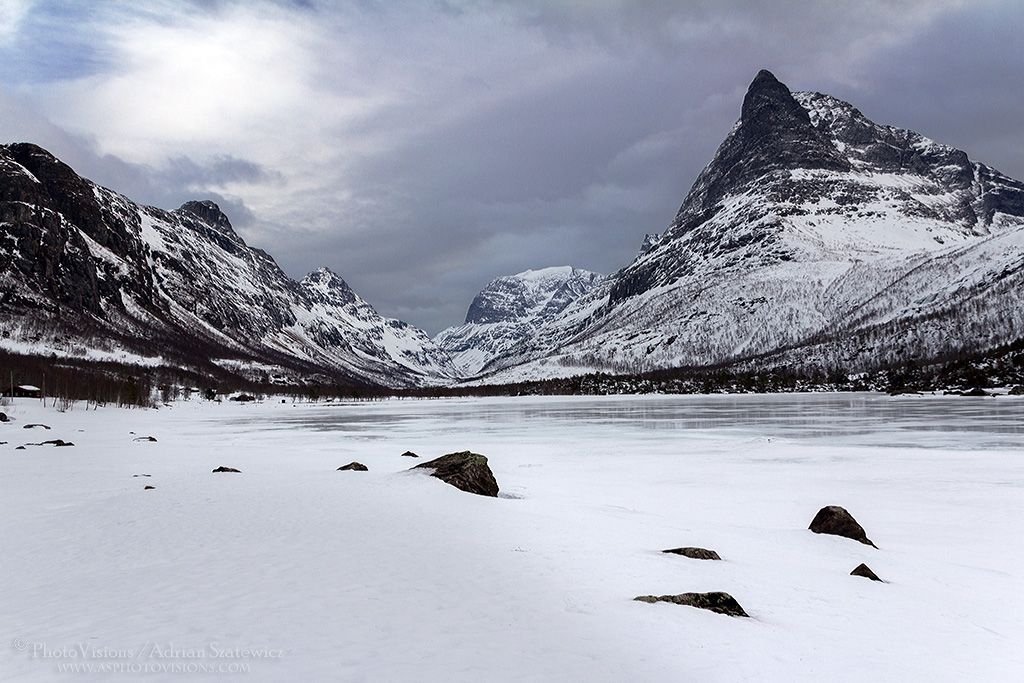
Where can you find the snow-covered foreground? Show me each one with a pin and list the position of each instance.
(294, 571)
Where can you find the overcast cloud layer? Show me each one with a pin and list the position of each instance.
(422, 148)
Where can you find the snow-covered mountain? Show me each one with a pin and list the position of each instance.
(509, 310)
(814, 236)
(86, 272)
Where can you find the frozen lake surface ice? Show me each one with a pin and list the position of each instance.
(302, 572)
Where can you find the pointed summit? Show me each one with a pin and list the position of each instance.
(774, 133)
(769, 103)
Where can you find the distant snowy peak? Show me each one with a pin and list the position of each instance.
(526, 294)
(509, 310)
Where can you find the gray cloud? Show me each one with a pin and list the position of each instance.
(423, 149)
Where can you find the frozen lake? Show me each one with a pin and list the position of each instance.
(952, 422)
(393, 575)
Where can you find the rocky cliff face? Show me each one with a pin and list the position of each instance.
(813, 236)
(86, 272)
(509, 311)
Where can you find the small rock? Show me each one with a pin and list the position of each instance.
(142, 475)
(466, 471)
(409, 454)
(865, 571)
(243, 398)
(716, 601)
(694, 553)
(226, 469)
(145, 438)
(33, 426)
(4, 418)
(148, 488)
(354, 466)
(837, 521)
(56, 442)
(20, 448)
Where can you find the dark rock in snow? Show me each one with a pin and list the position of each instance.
(694, 553)
(20, 448)
(410, 454)
(56, 442)
(243, 398)
(466, 471)
(4, 418)
(142, 475)
(148, 488)
(1016, 391)
(837, 521)
(865, 571)
(976, 392)
(226, 469)
(355, 467)
(145, 438)
(716, 601)
(33, 426)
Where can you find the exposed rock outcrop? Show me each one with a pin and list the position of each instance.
(836, 521)
(716, 601)
(464, 470)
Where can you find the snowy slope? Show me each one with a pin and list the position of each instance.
(509, 310)
(86, 272)
(813, 236)
(392, 575)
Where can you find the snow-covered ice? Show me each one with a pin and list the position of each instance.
(305, 573)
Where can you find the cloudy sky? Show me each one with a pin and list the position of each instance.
(422, 148)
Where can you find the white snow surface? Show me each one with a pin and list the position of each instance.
(393, 575)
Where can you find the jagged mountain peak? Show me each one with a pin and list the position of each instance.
(209, 212)
(328, 285)
(769, 101)
(774, 133)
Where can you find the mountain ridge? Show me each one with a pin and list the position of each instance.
(86, 272)
(814, 237)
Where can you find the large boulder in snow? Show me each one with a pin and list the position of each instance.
(716, 601)
(837, 521)
(694, 553)
(4, 418)
(354, 466)
(466, 471)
